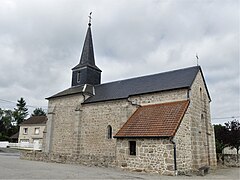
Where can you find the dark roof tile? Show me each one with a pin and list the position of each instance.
(35, 120)
(182, 78)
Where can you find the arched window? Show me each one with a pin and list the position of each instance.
(109, 132)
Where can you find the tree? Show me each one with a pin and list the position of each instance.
(38, 112)
(10, 120)
(2, 127)
(219, 132)
(227, 136)
(1, 113)
(232, 137)
(7, 119)
(6, 126)
(21, 112)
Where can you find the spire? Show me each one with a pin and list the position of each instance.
(91, 74)
(87, 56)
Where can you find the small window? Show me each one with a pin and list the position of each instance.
(78, 76)
(201, 96)
(37, 130)
(25, 130)
(109, 132)
(132, 148)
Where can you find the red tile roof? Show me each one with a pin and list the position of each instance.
(158, 120)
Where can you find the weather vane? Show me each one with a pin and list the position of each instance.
(197, 58)
(90, 18)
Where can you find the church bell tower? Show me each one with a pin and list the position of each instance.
(86, 72)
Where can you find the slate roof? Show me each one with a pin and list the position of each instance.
(87, 56)
(177, 79)
(35, 120)
(69, 91)
(75, 90)
(159, 120)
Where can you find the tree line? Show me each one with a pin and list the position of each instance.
(227, 135)
(10, 120)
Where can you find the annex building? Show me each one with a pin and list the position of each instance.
(156, 123)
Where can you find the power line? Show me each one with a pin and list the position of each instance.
(232, 117)
(31, 106)
(7, 101)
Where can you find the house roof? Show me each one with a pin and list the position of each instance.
(158, 120)
(177, 79)
(35, 120)
(15, 136)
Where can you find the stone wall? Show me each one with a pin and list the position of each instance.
(231, 160)
(160, 97)
(95, 119)
(229, 150)
(202, 134)
(89, 160)
(60, 132)
(183, 145)
(152, 155)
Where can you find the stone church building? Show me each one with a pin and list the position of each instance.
(157, 123)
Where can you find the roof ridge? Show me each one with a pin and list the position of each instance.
(166, 103)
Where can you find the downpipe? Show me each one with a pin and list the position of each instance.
(175, 156)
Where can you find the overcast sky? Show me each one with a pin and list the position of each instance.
(41, 40)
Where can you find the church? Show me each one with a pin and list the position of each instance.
(158, 123)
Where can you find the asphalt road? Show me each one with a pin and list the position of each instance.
(11, 167)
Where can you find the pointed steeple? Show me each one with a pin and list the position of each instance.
(86, 72)
(87, 56)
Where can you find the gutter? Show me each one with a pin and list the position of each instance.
(175, 156)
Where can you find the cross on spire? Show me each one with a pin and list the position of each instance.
(90, 18)
(197, 58)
